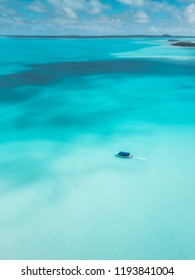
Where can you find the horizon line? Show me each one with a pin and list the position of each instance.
(98, 36)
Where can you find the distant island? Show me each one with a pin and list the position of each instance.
(173, 39)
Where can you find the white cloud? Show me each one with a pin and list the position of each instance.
(190, 13)
(96, 7)
(19, 21)
(76, 5)
(141, 17)
(90, 7)
(16, 21)
(132, 2)
(70, 13)
(186, 1)
(37, 7)
(153, 29)
(165, 10)
(7, 12)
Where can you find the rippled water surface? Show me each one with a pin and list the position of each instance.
(67, 107)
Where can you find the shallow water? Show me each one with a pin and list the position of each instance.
(67, 107)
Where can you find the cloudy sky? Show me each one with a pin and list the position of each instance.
(97, 17)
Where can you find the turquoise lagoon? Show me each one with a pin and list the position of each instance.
(67, 107)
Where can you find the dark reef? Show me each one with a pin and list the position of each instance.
(184, 44)
(173, 40)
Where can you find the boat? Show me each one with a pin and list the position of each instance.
(125, 154)
(128, 155)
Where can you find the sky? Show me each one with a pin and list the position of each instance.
(97, 17)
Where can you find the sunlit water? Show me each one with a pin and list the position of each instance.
(67, 107)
